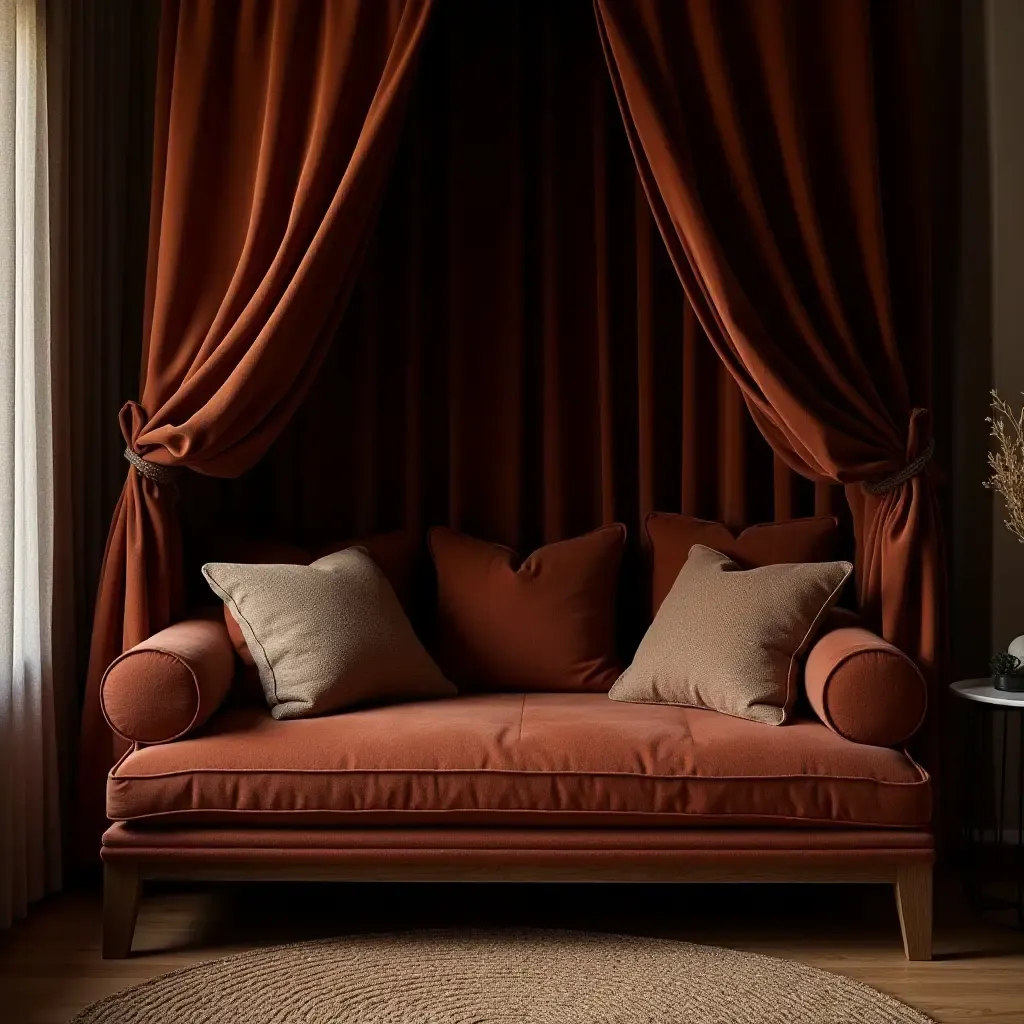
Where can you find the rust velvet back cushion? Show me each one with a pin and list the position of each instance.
(546, 623)
(796, 540)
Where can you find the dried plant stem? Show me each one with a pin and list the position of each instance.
(1007, 461)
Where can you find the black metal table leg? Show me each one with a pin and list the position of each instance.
(992, 842)
(1020, 821)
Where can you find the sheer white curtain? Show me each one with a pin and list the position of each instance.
(30, 862)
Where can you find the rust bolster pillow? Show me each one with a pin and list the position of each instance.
(864, 688)
(169, 684)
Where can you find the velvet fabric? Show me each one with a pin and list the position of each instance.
(500, 854)
(543, 623)
(864, 688)
(518, 361)
(554, 760)
(275, 126)
(169, 684)
(670, 537)
(465, 853)
(781, 148)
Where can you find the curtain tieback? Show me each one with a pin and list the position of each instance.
(911, 469)
(152, 470)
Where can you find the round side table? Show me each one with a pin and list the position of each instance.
(993, 811)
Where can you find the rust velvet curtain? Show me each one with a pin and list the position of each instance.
(780, 145)
(361, 317)
(275, 125)
(518, 359)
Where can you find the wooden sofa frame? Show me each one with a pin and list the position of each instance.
(125, 869)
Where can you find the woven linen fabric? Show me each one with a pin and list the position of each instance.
(326, 636)
(671, 536)
(730, 639)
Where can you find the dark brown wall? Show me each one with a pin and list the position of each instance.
(964, 303)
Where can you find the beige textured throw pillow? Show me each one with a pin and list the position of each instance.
(730, 639)
(327, 635)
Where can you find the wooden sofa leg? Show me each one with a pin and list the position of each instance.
(121, 890)
(913, 887)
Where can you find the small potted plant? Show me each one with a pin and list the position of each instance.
(1007, 673)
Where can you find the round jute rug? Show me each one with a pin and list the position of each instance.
(519, 977)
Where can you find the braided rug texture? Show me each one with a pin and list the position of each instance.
(484, 977)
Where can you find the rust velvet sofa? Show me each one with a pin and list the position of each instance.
(509, 786)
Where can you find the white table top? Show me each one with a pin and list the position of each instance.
(984, 692)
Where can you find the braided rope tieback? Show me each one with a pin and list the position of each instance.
(911, 469)
(161, 474)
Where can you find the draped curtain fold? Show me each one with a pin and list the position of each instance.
(518, 360)
(780, 146)
(274, 129)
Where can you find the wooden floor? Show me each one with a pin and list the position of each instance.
(50, 965)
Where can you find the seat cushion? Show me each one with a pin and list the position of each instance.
(560, 760)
